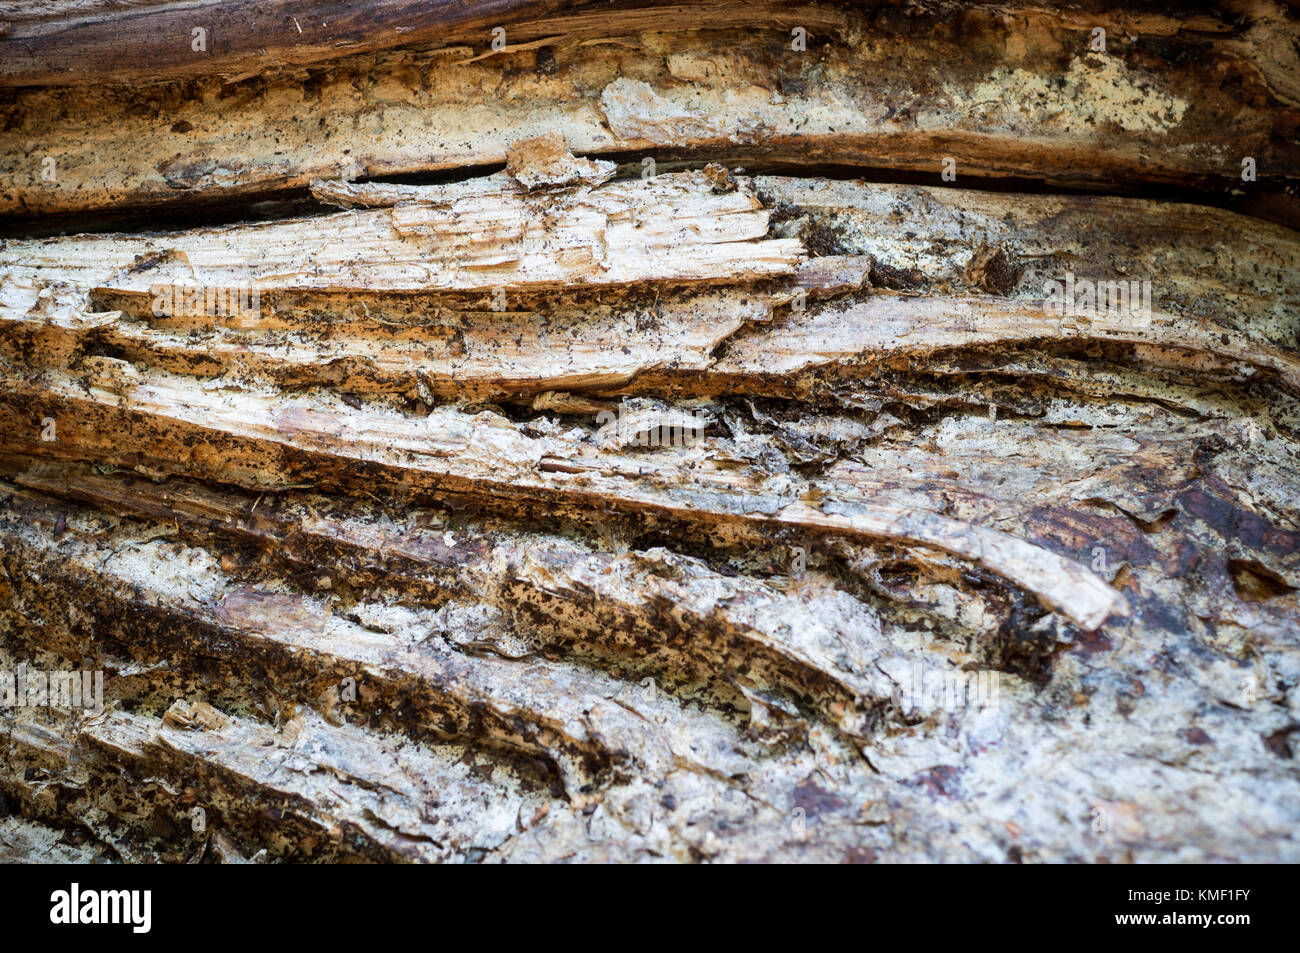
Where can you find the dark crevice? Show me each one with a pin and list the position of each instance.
(1279, 204)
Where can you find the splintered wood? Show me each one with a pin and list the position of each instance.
(610, 501)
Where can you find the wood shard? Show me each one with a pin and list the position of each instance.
(546, 162)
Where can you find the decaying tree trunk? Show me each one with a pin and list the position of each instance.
(544, 431)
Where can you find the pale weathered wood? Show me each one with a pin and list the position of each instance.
(556, 513)
(1007, 94)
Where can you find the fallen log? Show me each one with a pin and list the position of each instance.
(575, 509)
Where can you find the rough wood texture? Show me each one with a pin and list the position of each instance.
(555, 513)
(1006, 92)
(86, 43)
